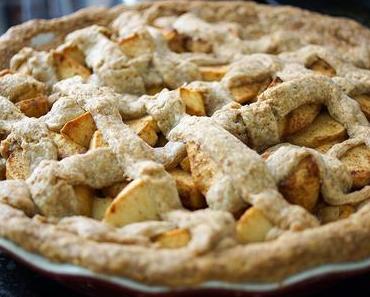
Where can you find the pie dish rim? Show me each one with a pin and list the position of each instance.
(295, 282)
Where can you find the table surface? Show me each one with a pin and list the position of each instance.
(18, 281)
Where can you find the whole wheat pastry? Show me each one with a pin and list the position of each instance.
(175, 143)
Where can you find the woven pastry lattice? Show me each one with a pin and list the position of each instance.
(181, 143)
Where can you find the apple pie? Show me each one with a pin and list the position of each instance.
(178, 142)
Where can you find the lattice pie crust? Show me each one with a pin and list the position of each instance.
(178, 142)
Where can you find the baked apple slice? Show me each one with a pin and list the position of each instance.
(146, 128)
(252, 226)
(328, 214)
(113, 190)
(84, 195)
(193, 101)
(67, 67)
(141, 200)
(80, 129)
(173, 239)
(190, 196)
(364, 101)
(323, 130)
(34, 107)
(65, 146)
(100, 206)
(357, 160)
(298, 119)
(248, 92)
(322, 67)
(302, 186)
(97, 141)
(202, 168)
(213, 73)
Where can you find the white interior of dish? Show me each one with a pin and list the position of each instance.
(42, 39)
(72, 270)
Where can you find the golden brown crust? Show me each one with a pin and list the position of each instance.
(209, 247)
(24, 35)
(301, 250)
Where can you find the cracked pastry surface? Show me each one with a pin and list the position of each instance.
(225, 94)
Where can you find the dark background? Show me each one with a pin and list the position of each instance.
(18, 281)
